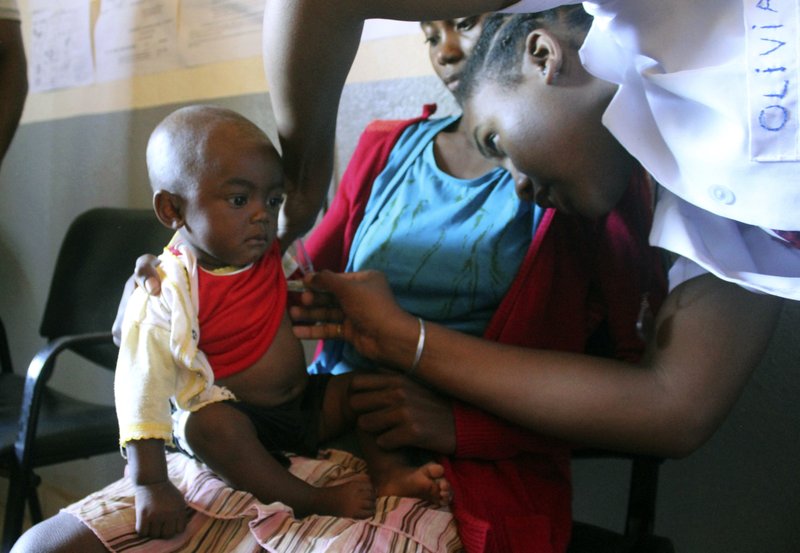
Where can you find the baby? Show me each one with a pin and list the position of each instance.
(217, 343)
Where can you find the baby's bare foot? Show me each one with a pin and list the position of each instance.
(353, 499)
(426, 482)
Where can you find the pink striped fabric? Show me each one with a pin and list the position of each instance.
(228, 520)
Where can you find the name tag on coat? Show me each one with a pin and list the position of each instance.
(771, 31)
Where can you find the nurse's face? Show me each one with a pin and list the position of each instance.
(550, 137)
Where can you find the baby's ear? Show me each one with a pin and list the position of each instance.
(169, 209)
(543, 54)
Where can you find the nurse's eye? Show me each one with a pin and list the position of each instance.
(239, 200)
(491, 146)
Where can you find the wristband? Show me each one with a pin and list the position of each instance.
(420, 347)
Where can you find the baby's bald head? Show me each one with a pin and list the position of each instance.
(180, 148)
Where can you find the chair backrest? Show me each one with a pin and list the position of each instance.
(95, 260)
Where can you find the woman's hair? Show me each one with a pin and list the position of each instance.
(497, 54)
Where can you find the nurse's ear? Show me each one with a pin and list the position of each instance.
(544, 55)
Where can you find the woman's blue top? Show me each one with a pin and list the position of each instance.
(449, 247)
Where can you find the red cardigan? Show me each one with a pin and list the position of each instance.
(511, 487)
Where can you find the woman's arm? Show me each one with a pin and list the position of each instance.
(13, 81)
(709, 337)
(404, 413)
(309, 46)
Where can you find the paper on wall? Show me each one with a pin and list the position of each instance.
(135, 37)
(60, 53)
(217, 30)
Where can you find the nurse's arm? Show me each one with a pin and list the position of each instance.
(309, 46)
(710, 335)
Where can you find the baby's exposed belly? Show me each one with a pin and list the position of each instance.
(277, 377)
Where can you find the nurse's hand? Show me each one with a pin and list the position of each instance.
(359, 308)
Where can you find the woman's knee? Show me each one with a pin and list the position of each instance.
(62, 533)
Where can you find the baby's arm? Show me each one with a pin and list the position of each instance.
(160, 507)
(144, 382)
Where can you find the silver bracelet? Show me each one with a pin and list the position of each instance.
(420, 347)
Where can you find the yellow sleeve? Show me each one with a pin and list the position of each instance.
(146, 373)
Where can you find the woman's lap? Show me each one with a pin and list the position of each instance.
(231, 520)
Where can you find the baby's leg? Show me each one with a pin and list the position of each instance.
(391, 472)
(336, 417)
(226, 440)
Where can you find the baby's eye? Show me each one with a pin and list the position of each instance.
(275, 202)
(240, 200)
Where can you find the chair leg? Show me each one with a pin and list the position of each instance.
(34, 505)
(15, 508)
(5, 353)
(642, 497)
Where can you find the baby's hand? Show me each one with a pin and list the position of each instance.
(160, 510)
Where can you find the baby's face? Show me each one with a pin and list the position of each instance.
(232, 217)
